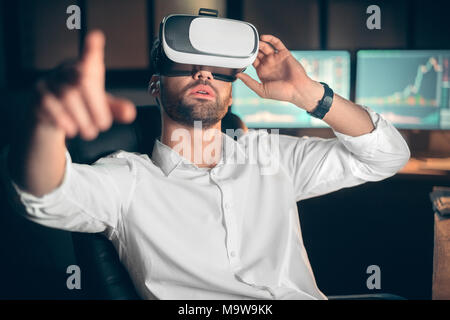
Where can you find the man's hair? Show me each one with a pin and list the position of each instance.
(154, 63)
(155, 57)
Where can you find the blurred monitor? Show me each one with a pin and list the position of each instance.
(331, 67)
(408, 87)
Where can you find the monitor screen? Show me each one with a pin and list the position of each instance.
(331, 67)
(410, 88)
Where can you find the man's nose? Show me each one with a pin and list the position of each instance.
(203, 74)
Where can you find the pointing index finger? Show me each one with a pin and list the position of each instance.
(92, 84)
(93, 51)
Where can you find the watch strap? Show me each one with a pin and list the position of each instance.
(324, 104)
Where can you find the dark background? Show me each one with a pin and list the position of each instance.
(388, 223)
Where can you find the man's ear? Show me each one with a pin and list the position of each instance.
(154, 85)
(230, 102)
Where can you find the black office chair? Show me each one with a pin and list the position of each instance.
(104, 276)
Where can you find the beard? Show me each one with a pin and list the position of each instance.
(185, 110)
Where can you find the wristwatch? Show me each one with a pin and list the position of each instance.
(324, 104)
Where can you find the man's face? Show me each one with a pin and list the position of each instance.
(182, 103)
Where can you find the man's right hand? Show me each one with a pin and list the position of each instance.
(74, 99)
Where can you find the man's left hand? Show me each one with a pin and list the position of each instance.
(282, 76)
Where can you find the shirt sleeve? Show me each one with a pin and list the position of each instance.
(319, 166)
(90, 198)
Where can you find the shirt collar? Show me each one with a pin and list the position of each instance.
(168, 159)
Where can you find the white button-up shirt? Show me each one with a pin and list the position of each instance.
(231, 232)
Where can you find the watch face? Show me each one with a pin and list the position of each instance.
(325, 105)
(327, 101)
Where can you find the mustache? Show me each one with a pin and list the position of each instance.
(204, 82)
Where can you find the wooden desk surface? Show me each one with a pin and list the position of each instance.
(441, 258)
(427, 166)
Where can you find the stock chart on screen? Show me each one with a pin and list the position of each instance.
(408, 87)
(331, 67)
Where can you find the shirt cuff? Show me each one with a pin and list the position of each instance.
(30, 199)
(365, 144)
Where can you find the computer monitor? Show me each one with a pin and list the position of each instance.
(410, 88)
(331, 67)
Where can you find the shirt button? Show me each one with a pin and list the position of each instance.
(227, 206)
(232, 254)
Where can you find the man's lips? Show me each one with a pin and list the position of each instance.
(203, 91)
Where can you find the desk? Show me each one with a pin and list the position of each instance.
(427, 166)
(441, 258)
(437, 169)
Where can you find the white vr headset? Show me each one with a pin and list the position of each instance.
(189, 43)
